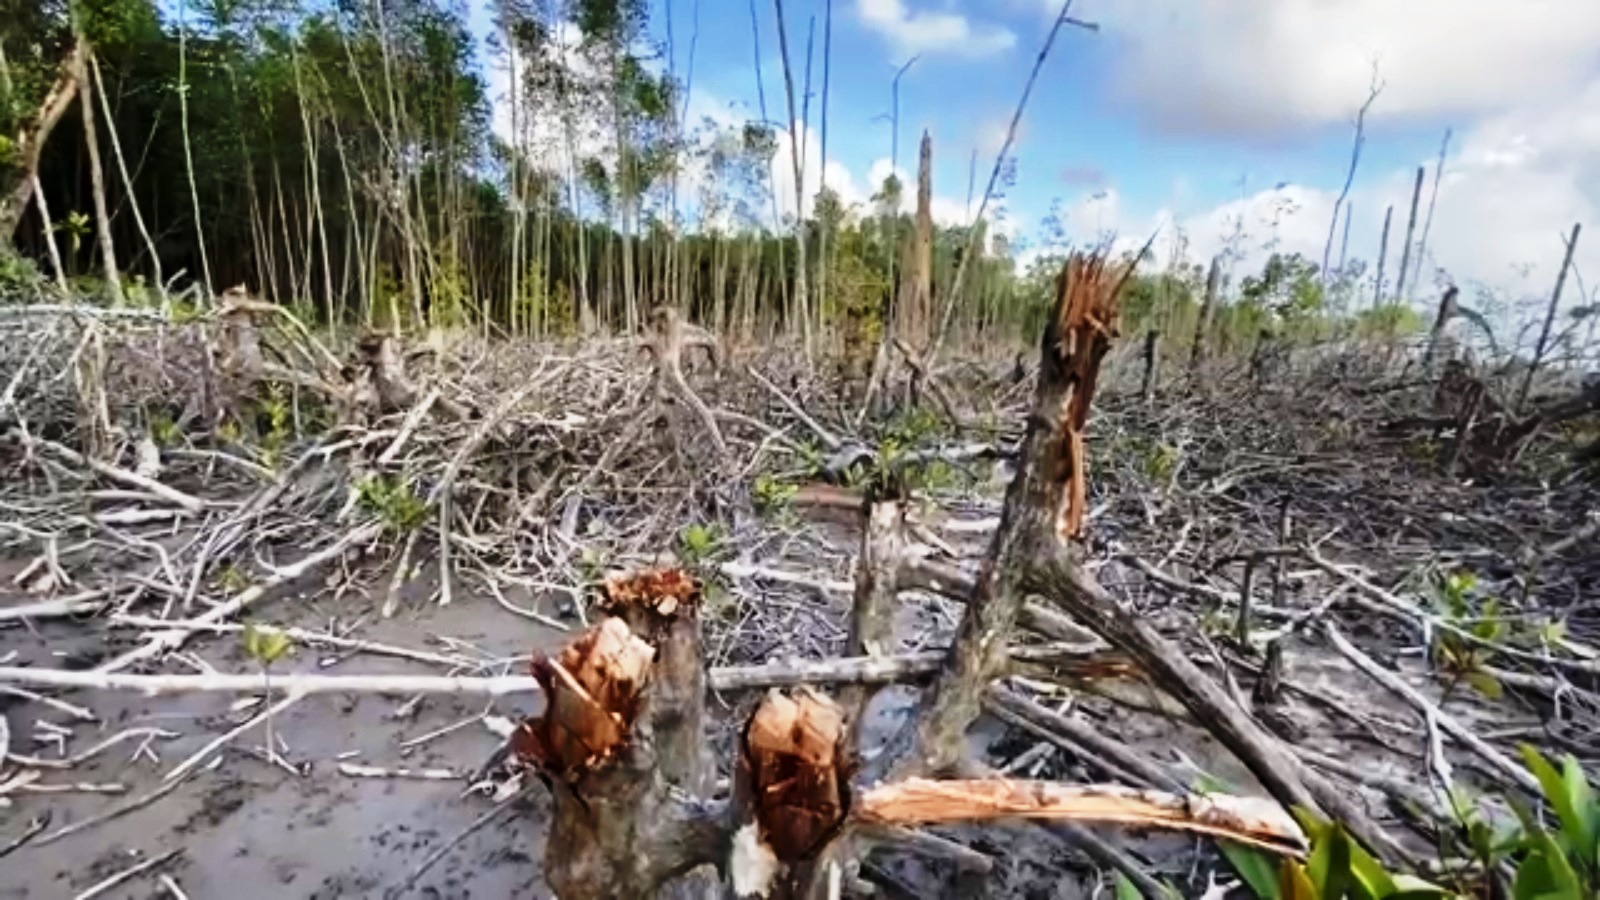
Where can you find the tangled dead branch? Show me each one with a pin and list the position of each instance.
(523, 475)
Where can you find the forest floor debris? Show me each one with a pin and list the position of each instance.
(461, 540)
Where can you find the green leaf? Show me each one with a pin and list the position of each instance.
(275, 646)
(1294, 883)
(252, 640)
(1553, 631)
(1126, 889)
(1257, 868)
(1315, 827)
(1329, 867)
(1565, 798)
(1546, 874)
(1485, 684)
(1368, 874)
(1582, 831)
(265, 644)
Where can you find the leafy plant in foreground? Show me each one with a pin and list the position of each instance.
(393, 501)
(1543, 864)
(1464, 660)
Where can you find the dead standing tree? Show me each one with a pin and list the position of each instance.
(622, 739)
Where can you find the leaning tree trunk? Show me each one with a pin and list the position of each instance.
(29, 143)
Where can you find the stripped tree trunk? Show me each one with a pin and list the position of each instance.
(97, 181)
(1044, 509)
(915, 306)
(1152, 340)
(1550, 317)
(1202, 326)
(1383, 257)
(1411, 230)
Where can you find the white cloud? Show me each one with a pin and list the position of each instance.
(1512, 189)
(911, 32)
(1269, 66)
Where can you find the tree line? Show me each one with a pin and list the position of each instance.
(340, 156)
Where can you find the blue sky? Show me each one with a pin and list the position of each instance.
(1192, 116)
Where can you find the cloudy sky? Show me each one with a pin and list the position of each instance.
(1206, 118)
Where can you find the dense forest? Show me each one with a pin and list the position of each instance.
(340, 157)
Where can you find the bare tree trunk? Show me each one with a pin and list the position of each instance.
(1062, 18)
(916, 273)
(1411, 229)
(97, 181)
(1433, 200)
(28, 142)
(50, 237)
(1550, 317)
(188, 150)
(127, 179)
(1356, 144)
(1202, 327)
(1383, 256)
(797, 157)
(822, 162)
(1152, 341)
(1344, 242)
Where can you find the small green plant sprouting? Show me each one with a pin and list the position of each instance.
(698, 543)
(184, 312)
(938, 475)
(165, 431)
(74, 226)
(1464, 660)
(1161, 461)
(885, 473)
(231, 580)
(769, 494)
(393, 501)
(912, 426)
(1549, 632)
(591, 564)
(813, 461)
(266, 645)
(275, 408)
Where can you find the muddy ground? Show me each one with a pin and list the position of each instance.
(248, 829)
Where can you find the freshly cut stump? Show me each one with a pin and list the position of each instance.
(791, 791)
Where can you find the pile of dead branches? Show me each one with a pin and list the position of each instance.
(1317, 579)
